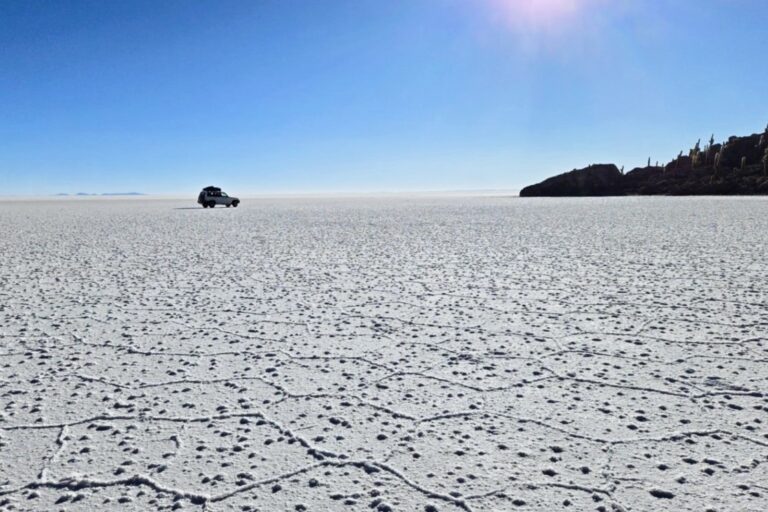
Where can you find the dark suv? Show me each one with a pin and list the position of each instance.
(209, 197)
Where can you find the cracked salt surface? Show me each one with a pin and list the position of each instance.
(399, 354)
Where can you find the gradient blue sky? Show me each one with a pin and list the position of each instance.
(364, 95)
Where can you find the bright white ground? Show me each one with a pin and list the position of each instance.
(405, 354)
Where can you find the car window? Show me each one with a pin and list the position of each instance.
(224, 194)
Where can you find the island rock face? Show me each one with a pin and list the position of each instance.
(739, 170)
(595, 180)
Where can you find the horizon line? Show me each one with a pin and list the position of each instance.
(325, 193)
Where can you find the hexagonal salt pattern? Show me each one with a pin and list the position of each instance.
(399, 354)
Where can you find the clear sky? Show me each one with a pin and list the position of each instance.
(365, 95)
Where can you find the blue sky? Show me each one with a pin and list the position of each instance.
(363, 95)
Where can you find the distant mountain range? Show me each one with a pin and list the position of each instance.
(103, 194)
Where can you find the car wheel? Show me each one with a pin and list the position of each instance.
(211, 204)
(235, 203)
(229, 205)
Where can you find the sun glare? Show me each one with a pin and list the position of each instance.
(540, 15)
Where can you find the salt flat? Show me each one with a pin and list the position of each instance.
(390, 354)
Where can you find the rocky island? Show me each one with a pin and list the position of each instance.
(738, 166)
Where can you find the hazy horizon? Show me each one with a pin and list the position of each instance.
(364, 96)
(273, 194)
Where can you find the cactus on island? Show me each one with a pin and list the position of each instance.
(723, 148)
(694, 154)
(765, 162)
(763, 137)
(697, 148)
(743, 163)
